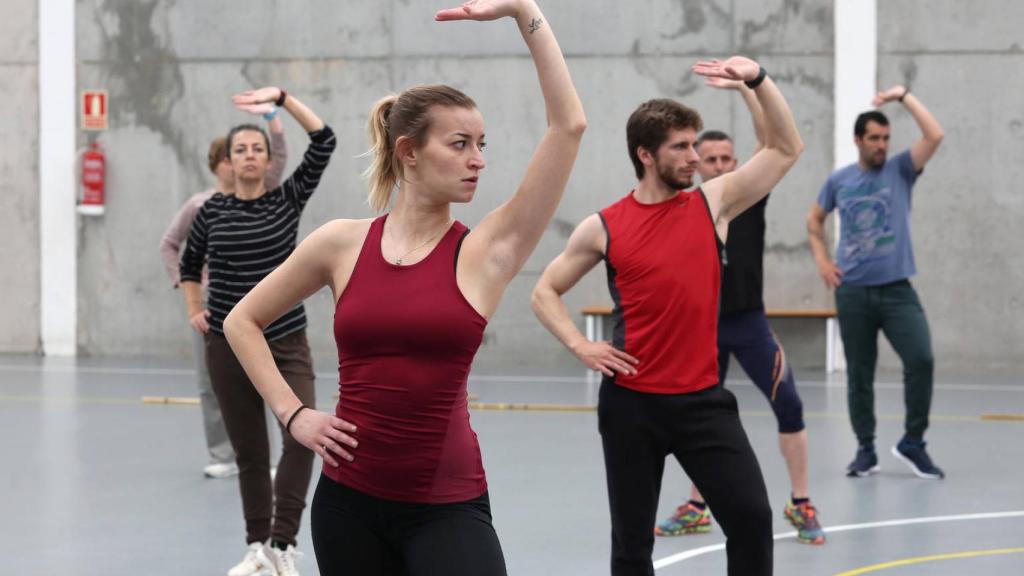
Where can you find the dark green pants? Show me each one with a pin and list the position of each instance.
(895, 309)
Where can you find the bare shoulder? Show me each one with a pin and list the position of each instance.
(342, 234)
(590, 235)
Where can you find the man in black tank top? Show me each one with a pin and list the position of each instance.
(743, 332)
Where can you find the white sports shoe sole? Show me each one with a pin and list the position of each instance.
(913, 467)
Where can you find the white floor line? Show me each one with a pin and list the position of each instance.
(681, 556)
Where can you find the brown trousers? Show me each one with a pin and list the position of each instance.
(271, 509)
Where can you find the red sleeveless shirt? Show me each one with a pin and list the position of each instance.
(664, 274)
(406, 337)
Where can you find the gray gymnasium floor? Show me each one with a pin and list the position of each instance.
(94, 482)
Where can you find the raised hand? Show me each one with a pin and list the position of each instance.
(481, 10)
(325, 434)
(257, 101)
(894, 93)
(735, 68)
(723, 83)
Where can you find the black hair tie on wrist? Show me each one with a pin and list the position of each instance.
(280, 99)
(288, 426)
(761, 75)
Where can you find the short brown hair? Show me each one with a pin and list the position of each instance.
(247, 128)
(650, 123)
(218, 152)
(407, 114)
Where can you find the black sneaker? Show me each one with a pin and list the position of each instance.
(865, 463)
(920, 463)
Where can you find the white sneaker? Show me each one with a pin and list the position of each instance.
(250, 564)
(280, 562)
(221, 470)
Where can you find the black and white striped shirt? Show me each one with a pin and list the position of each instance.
(244, 240)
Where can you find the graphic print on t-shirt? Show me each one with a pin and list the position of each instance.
(866, 214)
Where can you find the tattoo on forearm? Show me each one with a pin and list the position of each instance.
(535, 24)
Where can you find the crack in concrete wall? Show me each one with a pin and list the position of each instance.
(799, 250)
(813, 18)
(670, 83)
(143, 72)
(694, 19)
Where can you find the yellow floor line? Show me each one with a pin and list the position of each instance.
(178, 401)
(1003, 417)
(511, 406)
(76, 399)
(936, 558)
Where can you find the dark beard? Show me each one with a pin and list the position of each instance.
(872, 163)
(671, 181)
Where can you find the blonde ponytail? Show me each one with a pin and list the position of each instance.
(383, 172)
(404, 115)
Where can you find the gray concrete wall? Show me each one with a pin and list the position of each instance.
(966, 65)
(19, 177)
(170, 68)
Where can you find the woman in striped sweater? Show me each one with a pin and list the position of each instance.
(243, 237)
(222, 456)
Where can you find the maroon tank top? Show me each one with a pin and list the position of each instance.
(406, 338)
(664, 276)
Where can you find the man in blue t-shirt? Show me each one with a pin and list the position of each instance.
(871, 277)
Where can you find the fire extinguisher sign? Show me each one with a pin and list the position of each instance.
(94, 110)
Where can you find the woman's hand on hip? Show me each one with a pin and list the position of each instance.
(326, 435)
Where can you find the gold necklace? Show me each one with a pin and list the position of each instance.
(398, 261)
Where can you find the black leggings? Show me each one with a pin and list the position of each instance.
(748, 336)
(355, 533)
(703, 431)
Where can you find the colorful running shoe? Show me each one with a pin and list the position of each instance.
(804, 517)
(688, 519)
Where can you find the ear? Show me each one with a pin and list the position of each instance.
(405, 151)
(645, 156)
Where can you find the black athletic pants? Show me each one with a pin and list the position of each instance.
(355, 534)
(703, 431)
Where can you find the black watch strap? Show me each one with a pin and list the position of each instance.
(761, 75)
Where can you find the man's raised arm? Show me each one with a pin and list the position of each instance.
(931, 131)
(730, 194)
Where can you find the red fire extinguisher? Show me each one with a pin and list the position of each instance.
(94, 175)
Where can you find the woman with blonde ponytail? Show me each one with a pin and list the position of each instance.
(403, 489)
(382, 171)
